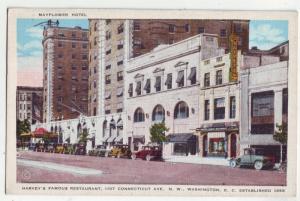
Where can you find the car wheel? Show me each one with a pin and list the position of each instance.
(148, 157)
(133, 156)
(258, 165)
(233, 163)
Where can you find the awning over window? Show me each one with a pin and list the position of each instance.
(107, 95)
(111, 138)
(169, 79)
(138, 87)
(180, 76)
(119, 139)
(105, 138)
(147, 85)
(120, 91)
(181, 137)
(157, 82)
(192, 74)
(120, 123)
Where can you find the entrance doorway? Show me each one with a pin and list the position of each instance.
(233, 145)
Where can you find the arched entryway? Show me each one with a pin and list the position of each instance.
(233, 145)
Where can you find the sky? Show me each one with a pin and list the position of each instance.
(264, 34)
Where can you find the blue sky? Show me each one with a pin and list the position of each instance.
(264, 34)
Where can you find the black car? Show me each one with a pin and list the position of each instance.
(80, 149)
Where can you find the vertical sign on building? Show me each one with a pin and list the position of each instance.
(233, 41)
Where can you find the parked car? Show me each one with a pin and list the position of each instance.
(50, 147)
(39, 147)
(99, 150)
(254, 157)
(69, 148)
(59, 148)
(80, 149)
(148, 153)
(120, 150)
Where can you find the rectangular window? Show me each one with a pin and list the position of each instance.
(120, 46)
(206, 110)
(223, 33)
(201, 30)
(232, 107)
(157, 83)
(187, 28)
(206, 79)
(180, 79)
(60, 55)
(169, 81)
(147, 86)
(130, 90)
(73, 66)
(219, 59)
(171, 28)
(136, 26)
(95, 111)
(107, 79)
(119, 63)
(120, 76)
(121, 28)
(73, 45)
(73, 34)
(73, 56)
(60, 44)
(262, 113)
(108, 67)
(84, 67)
(108, 52)
(84, 57)
(238, 28)
(107, 111)
(119, 110)
(193, 75)
(138, 88)
(219, 108)
(206, 62)
(107, 35)
(84, 35)
(84, 46)
(219, 77)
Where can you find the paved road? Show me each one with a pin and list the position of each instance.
(58, 168)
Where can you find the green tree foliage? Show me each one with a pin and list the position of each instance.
(83, 136)
(22, 127)
(281, 133)
(157, 132)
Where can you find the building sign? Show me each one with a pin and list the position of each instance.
(233, 39)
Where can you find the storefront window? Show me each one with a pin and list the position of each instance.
(217, 146)
(180, 148)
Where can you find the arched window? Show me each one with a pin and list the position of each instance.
(139, 115)
(181, 110)
(158, 113)
(112, 127)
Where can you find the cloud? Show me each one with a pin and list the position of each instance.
(35, 32)
(266, 36)
(35, 44)
(30, 71)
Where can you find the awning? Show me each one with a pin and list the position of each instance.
(223, 126)
(138, 87)
(111, 138)
(180, 76)
(157, 82)
(120, 91)
(192, 74)
(119, 138)
(181, 137)
(169, 79)
(105, 138)
(147, 85)
(107, 95)
(119, 123)
(40, 132)
(26, 135)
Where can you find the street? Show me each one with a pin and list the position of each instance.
(37, 167)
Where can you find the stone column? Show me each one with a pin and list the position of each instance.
(211, 105)
(277, 107)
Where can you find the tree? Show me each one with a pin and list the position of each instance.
(22, 127)
(157, 132)
(83, 136)
(281, 136)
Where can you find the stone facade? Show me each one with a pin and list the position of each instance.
(65, 67)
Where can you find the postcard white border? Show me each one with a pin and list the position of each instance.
(13, 187)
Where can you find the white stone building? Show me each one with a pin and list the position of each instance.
(264, 102)
(219, 108)
(163, 85)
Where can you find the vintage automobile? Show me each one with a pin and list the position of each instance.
(50, 147)
(148, 153)
(59, 148)
(80, 149)
(120, 150)
(99, 150)
(253, 157)
(68, 148)
(39, 147)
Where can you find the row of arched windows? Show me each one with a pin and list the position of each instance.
(181, 111)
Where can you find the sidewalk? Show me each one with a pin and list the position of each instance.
(197, 160)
